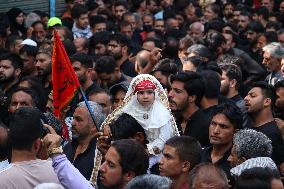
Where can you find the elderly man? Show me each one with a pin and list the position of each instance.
(196, 31)
(273, 53)
(81, 150)
(207, 175)
(257, 148)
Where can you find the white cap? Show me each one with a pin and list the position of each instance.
(29, 42)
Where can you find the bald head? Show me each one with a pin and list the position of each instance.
(196, 30)
(142, 58)
(208, 176)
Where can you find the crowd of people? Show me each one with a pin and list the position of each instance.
(181, 94)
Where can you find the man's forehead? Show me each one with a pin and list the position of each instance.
(5, 62)
(255, 90)
(21, 95)
(169, 150)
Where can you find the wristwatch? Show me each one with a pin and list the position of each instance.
(53, 151)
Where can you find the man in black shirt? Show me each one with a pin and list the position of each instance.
(108, 72)
(231, 84)
(259, 102)
(187, 91)
(81, 150)
(226, 120)
(118, 47)
(11, 67)
(83, 67)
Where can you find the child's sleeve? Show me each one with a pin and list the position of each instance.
(161, 134)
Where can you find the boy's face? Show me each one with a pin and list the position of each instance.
(146, 97)
(170, 164)
(83, 21)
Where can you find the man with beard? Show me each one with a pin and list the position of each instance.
(185, 96)
(81, 150)
(279, 104)
(231, 81)
(11, 66)
(118, 47)
(83, 67)
(28, 54)
(43, 66)
(259, 102)
(226, 120)
(254, 29)
(273, 53)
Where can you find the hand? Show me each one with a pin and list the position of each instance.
(51, 140)
(103, 143)
(155, 56)
(30, 32)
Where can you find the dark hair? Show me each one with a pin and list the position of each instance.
(214, 7)
(70, 47)
(166, 66)
(99, 37)
(121, 3)
(195, 60)
(187, 148)
(216, 25)
(279, 84)
(262, 10)
(266, 90)
(67, 32)
(255, 26)
(124, 24)
(270, 36)
(256, 178)
(235, 38)
(12, 40)
(105, 64)
(245, 13)
(212, 83)
(136, 4)
(121, 39)
(78, 10)
(14, 58)
(34, 95)
(272, 24)
(125, 127)
(97, 20)
(85, 60)
(232, 112)
(29, 50)
(232, 25)
(37, 89)
(215, 40)
(193, 84)
(233, 72)
(133, 156)
(25, 128)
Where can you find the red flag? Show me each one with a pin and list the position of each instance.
(64, 80)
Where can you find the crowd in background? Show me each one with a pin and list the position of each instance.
(183, 94)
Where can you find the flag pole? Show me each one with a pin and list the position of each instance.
(88, 106)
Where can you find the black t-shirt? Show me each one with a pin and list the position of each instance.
(271, 130)
(84, 162)
(198, 127)
(128, 68)
(223, 163)
(4, 105)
